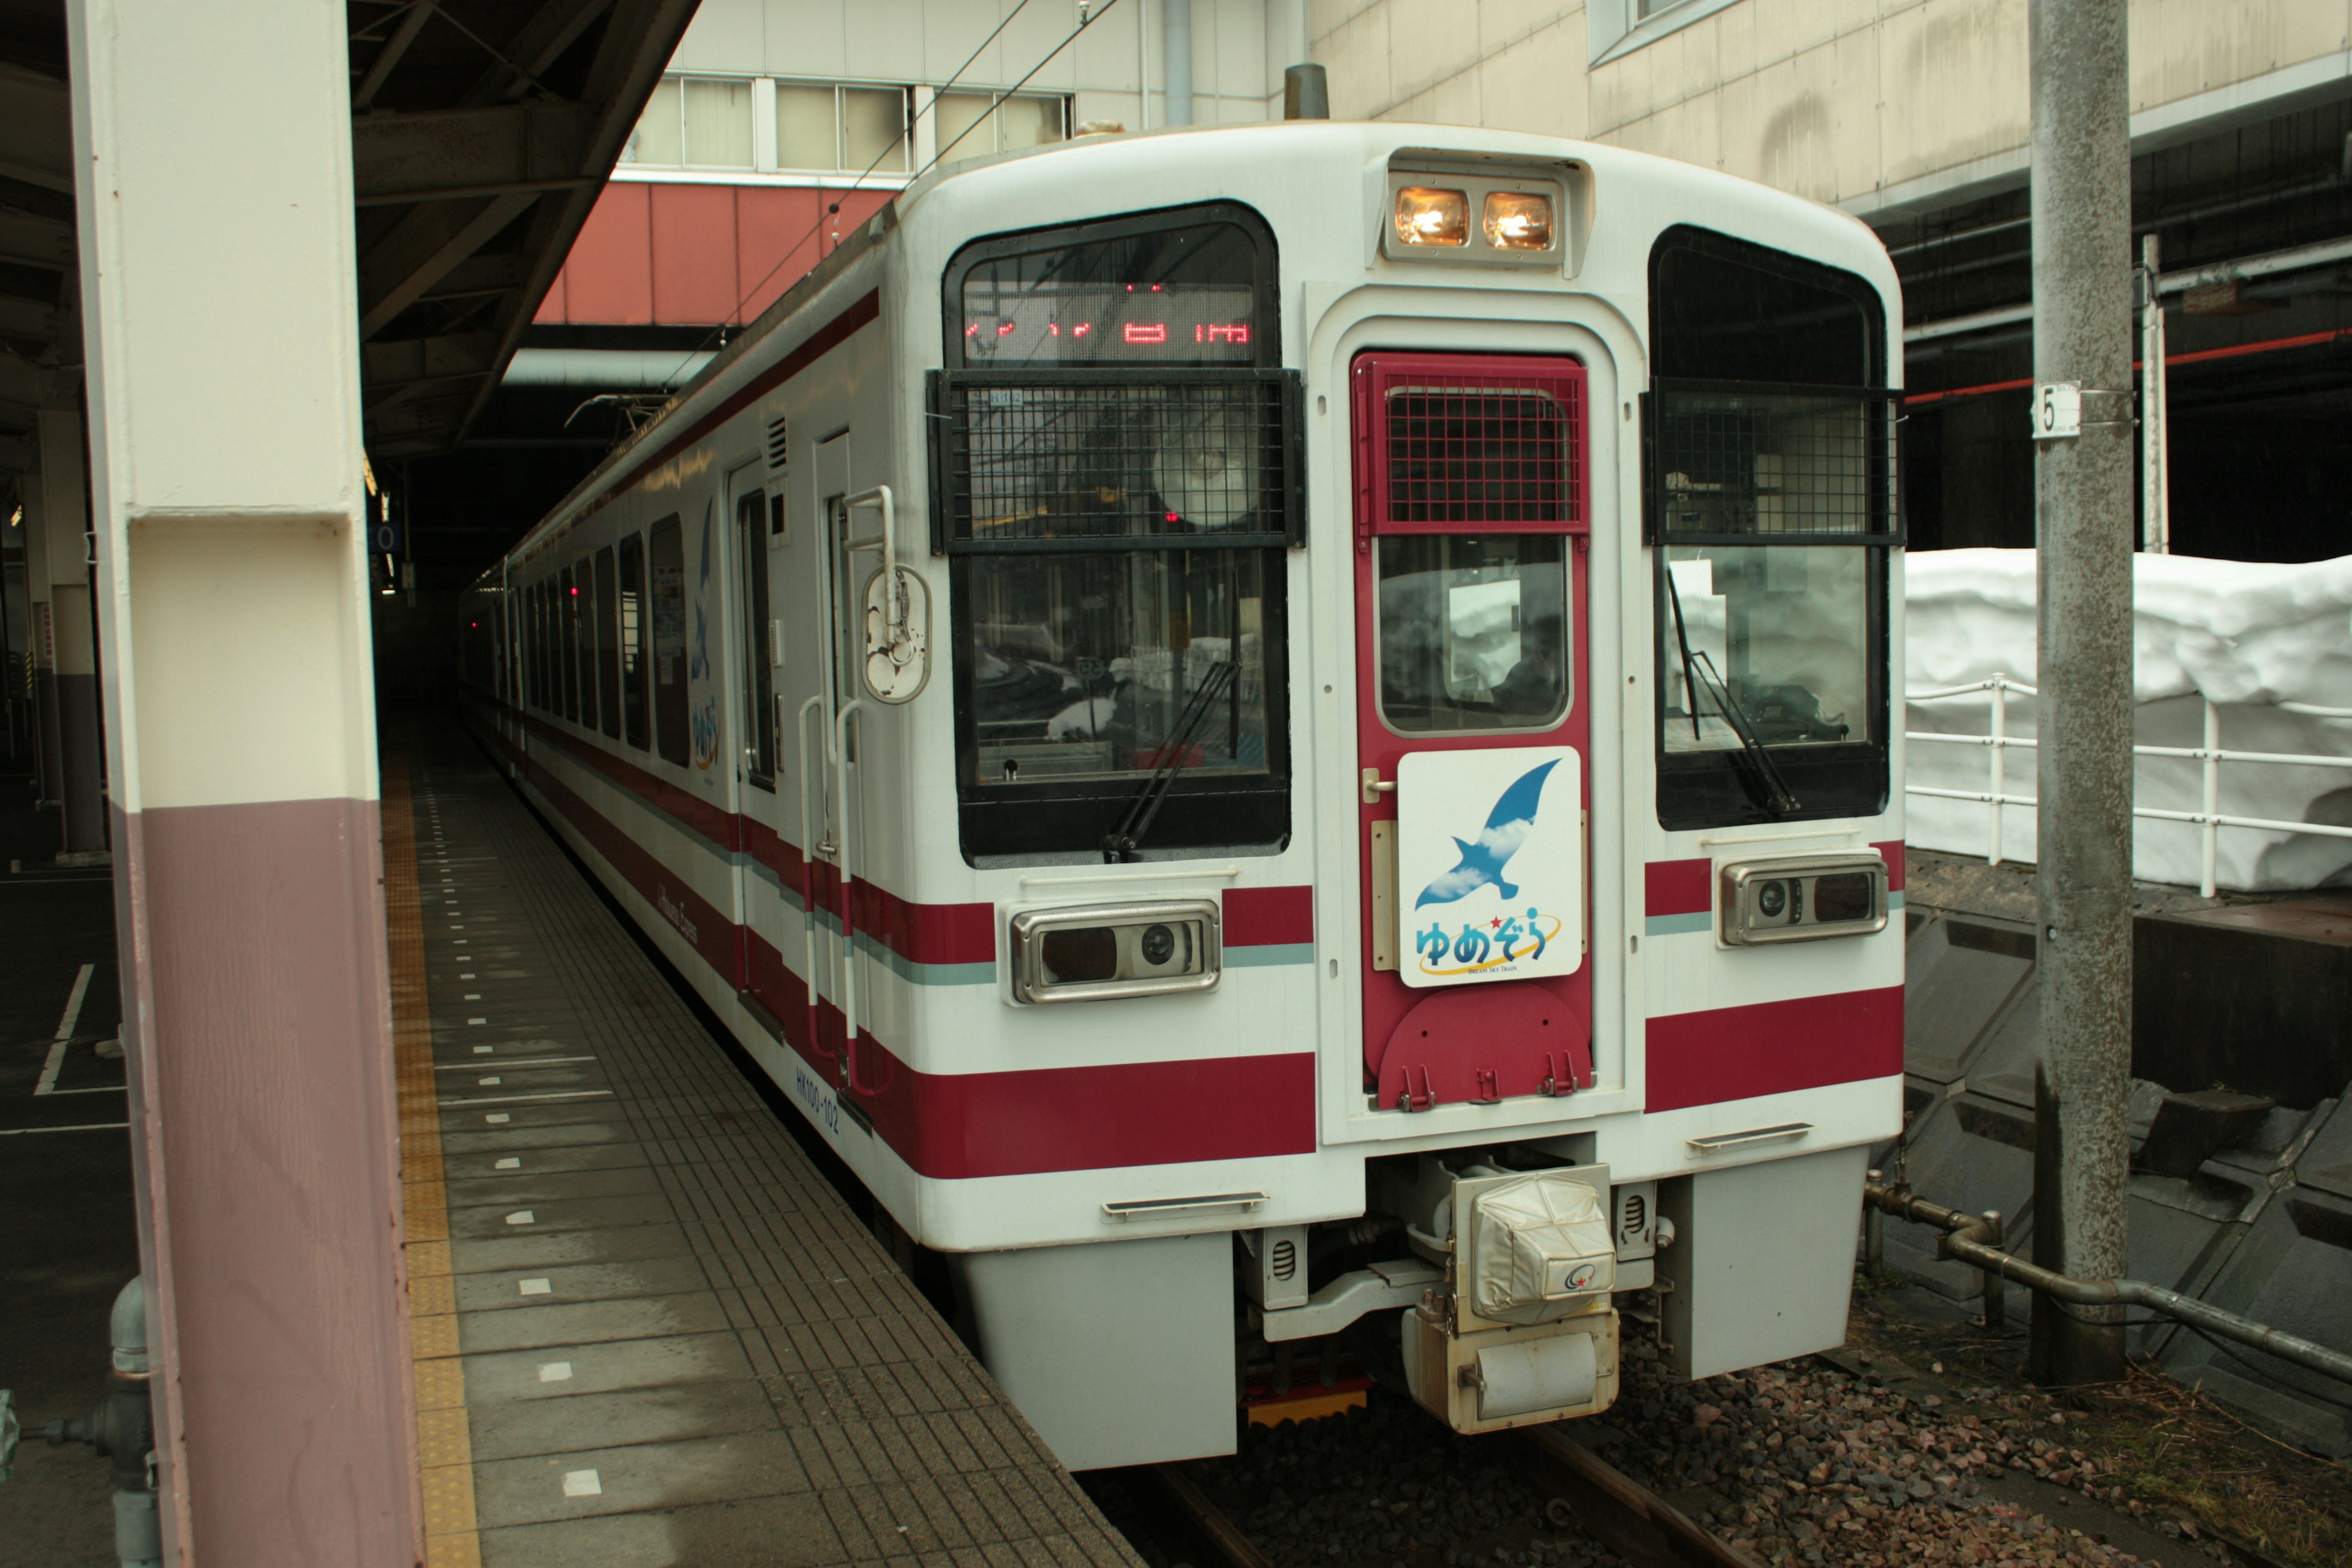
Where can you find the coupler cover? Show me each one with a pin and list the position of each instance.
(1514, 1376)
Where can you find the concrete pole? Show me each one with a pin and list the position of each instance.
(65, 516)
(1176, 45)
(220, 321)
(2083, 483)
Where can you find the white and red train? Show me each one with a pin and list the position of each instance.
(1274, 724)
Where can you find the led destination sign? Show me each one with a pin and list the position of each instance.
(1167, 323)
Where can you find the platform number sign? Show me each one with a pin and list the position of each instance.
(2057, 410)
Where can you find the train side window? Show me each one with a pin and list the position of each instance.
(759, 674)
(567, 608)
(1770, 508)
(542, 692)
(585, 619)
(608, 640)
(636, 670)
(667, 550)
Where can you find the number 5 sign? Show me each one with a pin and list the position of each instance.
(2057, 410)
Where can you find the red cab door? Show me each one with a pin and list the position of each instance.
(1473, 725)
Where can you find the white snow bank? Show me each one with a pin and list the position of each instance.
(2247, 636)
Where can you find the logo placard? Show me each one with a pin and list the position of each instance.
(1490, 865)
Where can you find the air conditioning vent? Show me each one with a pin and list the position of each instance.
(1632, 1218)
(1283, 1263)
(778, 446)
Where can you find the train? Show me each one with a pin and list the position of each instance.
(1279, 733)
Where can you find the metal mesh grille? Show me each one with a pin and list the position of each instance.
(1769, 463)
(1463, 452)
(1106, 460)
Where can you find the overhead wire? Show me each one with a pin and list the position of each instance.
(1088, 18)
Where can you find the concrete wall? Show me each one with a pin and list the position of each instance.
(1863, 104)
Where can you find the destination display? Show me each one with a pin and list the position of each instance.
(1133, 324)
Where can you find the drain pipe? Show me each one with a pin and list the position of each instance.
(1976, 1242)
(122, 1428)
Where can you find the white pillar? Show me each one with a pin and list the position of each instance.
(1176, 43)
(220, 317)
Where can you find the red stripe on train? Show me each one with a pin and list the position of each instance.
(961, 1125)
(1772, 1048)
(1681, 887)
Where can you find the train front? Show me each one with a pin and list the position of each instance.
(1420, 606)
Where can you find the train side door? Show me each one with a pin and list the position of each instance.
(1473, 726)
(828, 944)
(756, 639)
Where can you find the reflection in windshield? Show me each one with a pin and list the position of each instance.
(1473, 631)
(1083, 664)
(1788, 626)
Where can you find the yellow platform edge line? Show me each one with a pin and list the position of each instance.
(444, 1448)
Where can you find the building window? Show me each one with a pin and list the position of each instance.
(824, 127)
(1616, 28)
(695, 123)
(724, 123)
(973, 125)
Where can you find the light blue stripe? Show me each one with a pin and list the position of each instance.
(1272, 953)
(1678, 925)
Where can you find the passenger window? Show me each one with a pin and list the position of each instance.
(585, 621)
(1474, 632)
(635, 670)
(608, 640)
(568, 655)
(668, 548)
(759, 673)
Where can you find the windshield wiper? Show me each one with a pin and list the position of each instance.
(1124, 840)
(1761, 777)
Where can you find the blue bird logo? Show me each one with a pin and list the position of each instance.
(1507, 827)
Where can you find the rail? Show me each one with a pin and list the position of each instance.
(1998, 742)
(1595, 1497)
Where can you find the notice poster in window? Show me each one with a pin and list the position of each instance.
(1490, 865)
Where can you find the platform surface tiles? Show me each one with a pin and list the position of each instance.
(647, 1331)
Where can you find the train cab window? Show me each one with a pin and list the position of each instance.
(567, 654)
(1770, 507)
(636, 670)
(1474, 632)
(666, 560)
(608, 641)
(757, 641)
(1118, 487)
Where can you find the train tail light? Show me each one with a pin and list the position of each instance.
(1801, 898)
(1093, 953)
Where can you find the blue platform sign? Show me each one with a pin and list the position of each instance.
(386, 537)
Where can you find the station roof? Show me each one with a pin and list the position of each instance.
(481, 132)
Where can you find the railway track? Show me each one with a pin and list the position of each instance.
(1589, 1494)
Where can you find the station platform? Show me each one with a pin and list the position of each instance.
(647, 1331)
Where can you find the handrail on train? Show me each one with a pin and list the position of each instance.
(2211, 820)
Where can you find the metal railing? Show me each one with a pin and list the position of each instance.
(2209, 821)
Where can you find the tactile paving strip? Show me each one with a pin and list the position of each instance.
(672, 1341)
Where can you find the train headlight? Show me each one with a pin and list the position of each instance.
(1430, 214)
(1798, 897)
(1515, 220)
(1092, 953)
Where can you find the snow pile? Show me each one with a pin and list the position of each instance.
(2247, 636)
